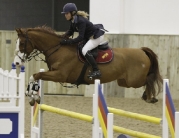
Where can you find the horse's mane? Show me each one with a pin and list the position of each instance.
(45, 29)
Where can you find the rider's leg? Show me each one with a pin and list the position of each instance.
(96, 72)
(91, 44)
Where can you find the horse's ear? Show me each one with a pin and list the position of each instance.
(18, 30)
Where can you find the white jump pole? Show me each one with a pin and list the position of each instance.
(22, 101)
(110, 119)
(176, 124)
(36, 131)
(95, 128)
(165, 133)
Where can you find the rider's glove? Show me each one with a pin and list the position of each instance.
(65, 42)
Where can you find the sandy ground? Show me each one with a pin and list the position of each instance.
(57, 126)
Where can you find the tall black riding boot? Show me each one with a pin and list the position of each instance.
(96, 72)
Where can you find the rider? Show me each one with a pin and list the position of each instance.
(93, 34)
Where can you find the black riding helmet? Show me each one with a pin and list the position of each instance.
(69, 7)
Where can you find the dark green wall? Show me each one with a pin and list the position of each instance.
(32, 13)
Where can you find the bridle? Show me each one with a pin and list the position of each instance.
(35, 52)
(25, 58)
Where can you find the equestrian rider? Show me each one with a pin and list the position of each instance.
(87, 31)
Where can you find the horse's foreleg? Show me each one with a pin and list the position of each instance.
(49, 76)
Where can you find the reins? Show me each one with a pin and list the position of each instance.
(36, 53)
(58, 46)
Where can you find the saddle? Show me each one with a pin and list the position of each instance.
(102, 53)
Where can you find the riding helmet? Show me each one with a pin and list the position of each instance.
(69, 7)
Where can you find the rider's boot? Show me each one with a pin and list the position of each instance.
(96, 72)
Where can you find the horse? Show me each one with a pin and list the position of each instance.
(131, 67)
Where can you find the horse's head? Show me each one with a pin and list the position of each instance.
(38, 40)
(25, 45)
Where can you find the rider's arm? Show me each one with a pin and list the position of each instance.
(81, 26)
(70, 32)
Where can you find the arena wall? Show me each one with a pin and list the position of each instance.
(136, 16)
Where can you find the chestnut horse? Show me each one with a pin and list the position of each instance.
(131, 67)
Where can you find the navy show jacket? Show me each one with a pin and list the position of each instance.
(85, 28)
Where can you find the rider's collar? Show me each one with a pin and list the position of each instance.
(74, 20)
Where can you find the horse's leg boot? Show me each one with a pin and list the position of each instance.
(96, 72)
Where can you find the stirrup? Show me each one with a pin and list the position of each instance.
(94, 74)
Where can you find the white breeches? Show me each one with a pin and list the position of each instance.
(91, 44)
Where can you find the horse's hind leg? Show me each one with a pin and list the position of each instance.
(152, 100)
(122, 82)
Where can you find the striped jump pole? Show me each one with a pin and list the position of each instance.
(101, 114)
(170, 116)
(132, 115)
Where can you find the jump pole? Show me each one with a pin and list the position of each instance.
(97, 131)
(176, 124)
(165, 133)
(165, 124)
(136, 116)
(36, 131)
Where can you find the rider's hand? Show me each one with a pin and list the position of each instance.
(65, 42)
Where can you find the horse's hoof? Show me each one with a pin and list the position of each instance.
(38, 101)
(37, 98)
(144, 96)
(153, 100)
(32, 101)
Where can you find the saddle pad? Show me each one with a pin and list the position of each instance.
(104, 56)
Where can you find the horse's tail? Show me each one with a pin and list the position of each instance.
(153, 78)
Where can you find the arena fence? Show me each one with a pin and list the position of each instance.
(12, 103)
